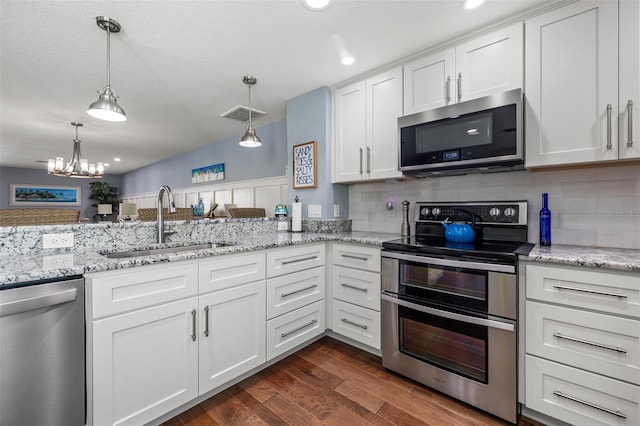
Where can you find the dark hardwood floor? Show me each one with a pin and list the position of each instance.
(332, 383)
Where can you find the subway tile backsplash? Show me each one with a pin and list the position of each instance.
(593, 206)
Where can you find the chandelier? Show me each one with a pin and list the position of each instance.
(77, 167)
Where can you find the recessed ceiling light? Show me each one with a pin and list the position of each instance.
(116, 159)
(472, 4)
(106, 164)
(347, 60)
(317, 4)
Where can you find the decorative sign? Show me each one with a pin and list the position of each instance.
(208, 174)
(304, 165)
(44, 195)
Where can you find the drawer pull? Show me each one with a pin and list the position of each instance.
(299, 291)
(583, 290)
(588, 404)
(298, 329)
(286, 262)
(362, 289)
(630, 123)
(586, 342)
(193, 325)
(351, 256)
(362, 326)
(609, 144)
(206, 321)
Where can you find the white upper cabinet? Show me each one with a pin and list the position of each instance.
(629, 98)
(366, 128)
(571, 84)
(482, 66)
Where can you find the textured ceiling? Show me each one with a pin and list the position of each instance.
(178, 65)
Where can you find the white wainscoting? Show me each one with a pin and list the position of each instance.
(264, 193)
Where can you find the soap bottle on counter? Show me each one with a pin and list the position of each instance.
(545, 221)
(200, 209)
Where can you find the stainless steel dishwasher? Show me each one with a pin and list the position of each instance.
(42, 355)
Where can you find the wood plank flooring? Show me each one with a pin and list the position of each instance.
(332, 383)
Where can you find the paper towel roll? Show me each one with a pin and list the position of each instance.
(296, 217)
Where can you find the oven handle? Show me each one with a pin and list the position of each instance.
(450, 315)
(452, 263)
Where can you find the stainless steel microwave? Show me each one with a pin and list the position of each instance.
(480, 135)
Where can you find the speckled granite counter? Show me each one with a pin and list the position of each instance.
(48, 264)
(595, 257)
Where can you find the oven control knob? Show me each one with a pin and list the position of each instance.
(494, 212)
(509, 212)
(424, 212)
(436, 211)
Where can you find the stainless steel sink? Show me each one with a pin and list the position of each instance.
(137, 253)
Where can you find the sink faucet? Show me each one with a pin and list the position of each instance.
(172, 209)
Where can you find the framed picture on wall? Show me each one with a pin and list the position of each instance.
(305, 157)
(43, 195)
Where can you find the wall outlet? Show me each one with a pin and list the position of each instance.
(57, 240)
(336, 210)
(314, 210)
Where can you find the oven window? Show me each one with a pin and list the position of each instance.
(454, 286)
(449, 344)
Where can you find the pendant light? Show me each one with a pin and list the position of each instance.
(106, 107)
(77, 167)
(250, 139)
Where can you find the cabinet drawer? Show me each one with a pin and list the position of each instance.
(294, 328)
(231, 270)
(293, 291)
(358, 287)
(128, 290)
(579, 397)
(600, 343)
(367, 258)
(357, 323)
(609, 291)
(294, 258)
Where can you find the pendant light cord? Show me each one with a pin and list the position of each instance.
(108, 56)
(250, 106)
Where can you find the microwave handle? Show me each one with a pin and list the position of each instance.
(502, 325)
(459, 87)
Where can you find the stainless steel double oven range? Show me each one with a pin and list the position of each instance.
(450, 310)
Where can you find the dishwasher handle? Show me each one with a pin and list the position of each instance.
(43, 301)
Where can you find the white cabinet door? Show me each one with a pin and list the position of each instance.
(292, 291)
(145, 363)
(490, 64)
(429, 82)
(571, 78)
(357, 323)
(629, 109)
(383, 107)
(232, 333)
(349, 143)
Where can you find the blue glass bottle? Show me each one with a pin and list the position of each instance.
(545, 221)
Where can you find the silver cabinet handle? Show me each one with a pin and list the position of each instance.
(299, 291)
(368, 160)
(584, 290)
(352, 256)
(193, 325)
(448, 89)
(362, 289)
(630, 123)
(609, 145)
(33, 303)
(206, 321)
(346, 321)
(299, 328)
(586, 342)
(360, 160)
(588, 404)
(287, 262)
(459, 87)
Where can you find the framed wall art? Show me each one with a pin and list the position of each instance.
(43, 195)
(305, 157)
(208, 174)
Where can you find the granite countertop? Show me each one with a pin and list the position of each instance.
(595, 257)
(51, 264)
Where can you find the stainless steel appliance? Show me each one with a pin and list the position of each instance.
(449, 310)
(42, 359)
(479, 135)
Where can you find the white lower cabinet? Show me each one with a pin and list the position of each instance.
(356, 322)
(289, 330)
(145, 363)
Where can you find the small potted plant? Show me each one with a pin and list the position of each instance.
(103, 193)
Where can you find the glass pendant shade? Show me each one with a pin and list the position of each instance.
(250, 139)
(77, 167)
